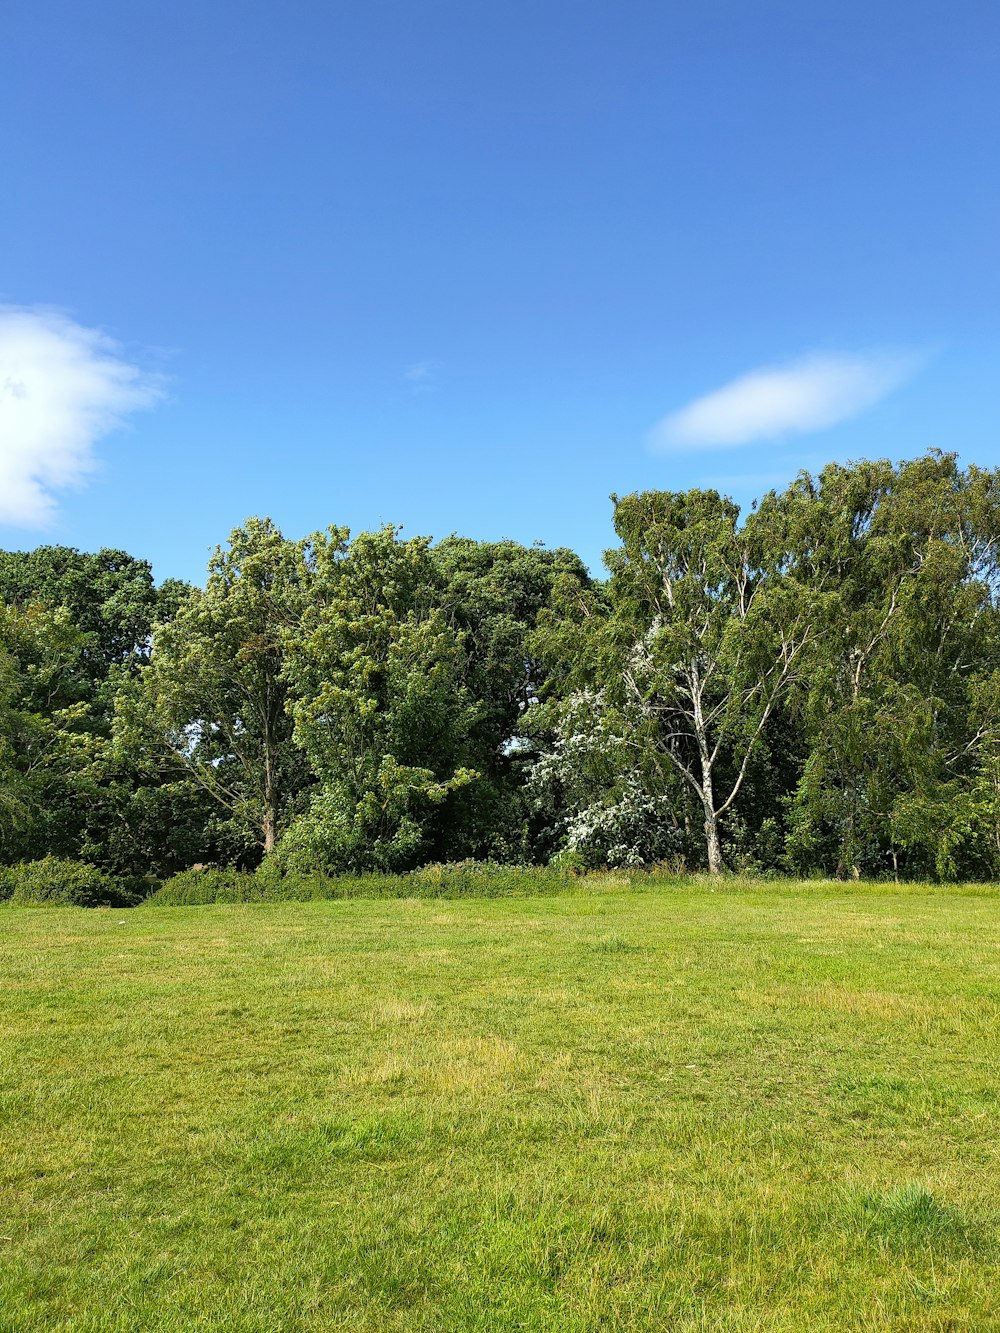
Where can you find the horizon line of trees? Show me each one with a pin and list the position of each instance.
(812, 687)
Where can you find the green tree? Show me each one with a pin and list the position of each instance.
(13, 809)
(211, 704)
(83, 623)
(111, 601)
(492, 594)
(379, 702)
(49, 746)
(708, 627)
(898, 725)
(601, 798)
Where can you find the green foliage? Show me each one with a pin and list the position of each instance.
(813, 686)
(376, 829)
(109, 595)
(494, 594)
(154, 826)
(700, 640)
(596, 801)
(463, 879)
(211, 705)
(50, 742)
(380, 706)
(900, 704)
(199, 885)
(73, 627)
(58, 882)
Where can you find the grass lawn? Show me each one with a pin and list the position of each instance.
(770, 1107)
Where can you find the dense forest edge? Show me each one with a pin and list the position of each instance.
(811, 689)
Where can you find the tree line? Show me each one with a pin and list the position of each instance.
(811, 687)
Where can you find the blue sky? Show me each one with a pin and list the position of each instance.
(471, 267)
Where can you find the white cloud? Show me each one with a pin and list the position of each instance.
(62, 388)
(792, 398)
(421, 374)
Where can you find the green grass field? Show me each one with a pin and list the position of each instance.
(770, 1107)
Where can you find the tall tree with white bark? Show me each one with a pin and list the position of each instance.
(709, 625)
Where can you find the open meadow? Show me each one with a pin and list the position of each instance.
(767, 1107)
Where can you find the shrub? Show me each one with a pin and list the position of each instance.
(6, 883)
(485, 879)
(61, 882)
(274, 881)
(326, 840)
(210, 885)
(277, 882)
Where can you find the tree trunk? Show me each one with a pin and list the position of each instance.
(707, 791)
(712, 843)
(269, 823)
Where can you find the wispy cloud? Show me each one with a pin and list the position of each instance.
(62, 388)
(791, 398)
(421, 374)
